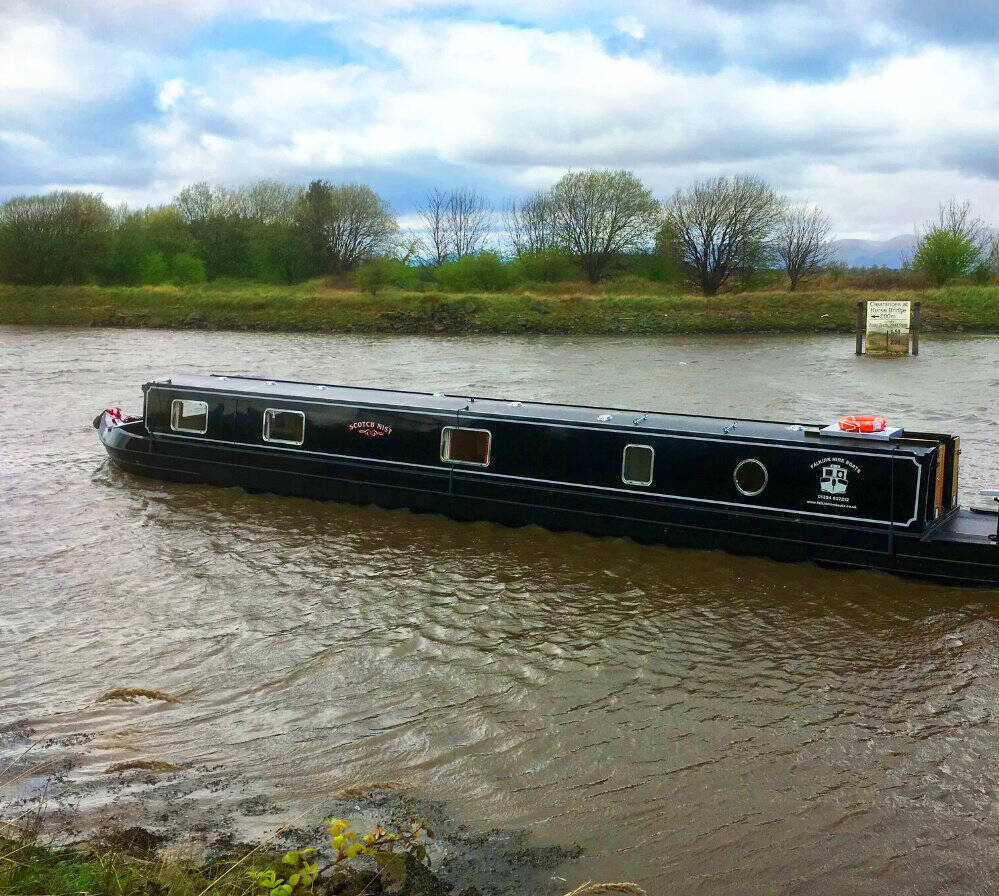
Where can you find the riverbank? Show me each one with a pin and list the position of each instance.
(129, 863)
(315, 307)
(72, 823)
(135, 847)
(132, 863)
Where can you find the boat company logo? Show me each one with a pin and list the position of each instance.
(835, 477)
(370, 428)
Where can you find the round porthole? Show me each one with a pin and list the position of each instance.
(750, 477)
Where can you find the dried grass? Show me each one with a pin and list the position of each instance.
(147, 765)
(621, 887)
(132, 695)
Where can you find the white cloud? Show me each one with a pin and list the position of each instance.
(471, 101)
(47, 64)
(171, 91)
(631, 26)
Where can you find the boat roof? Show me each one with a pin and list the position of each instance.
(512, 408)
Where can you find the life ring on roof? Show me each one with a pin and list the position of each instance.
(862, 423)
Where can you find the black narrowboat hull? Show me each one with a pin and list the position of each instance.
(954, 549)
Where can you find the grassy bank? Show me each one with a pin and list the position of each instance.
(129, 864)
(316, 307)
(102, 869)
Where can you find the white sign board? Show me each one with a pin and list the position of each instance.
(888, 317)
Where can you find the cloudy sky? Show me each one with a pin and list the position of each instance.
(877, 110)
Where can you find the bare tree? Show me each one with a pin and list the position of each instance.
(597, 215)
(344, 224)
(958, 219)
(203, 201)
(530, 227)
(434, 215)
(270, 201)
(992, 256)
(720, 227)
(802, 243)
(456, 223)
(467, 221)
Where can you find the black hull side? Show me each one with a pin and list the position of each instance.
(464, 497)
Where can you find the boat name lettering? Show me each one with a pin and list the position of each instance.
(370, 428)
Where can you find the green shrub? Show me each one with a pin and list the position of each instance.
(544, 266)
(156, 269)
(277, 253)
(943, 255)
(59, 238)
(484, 271)
(373, 275)
(185, 269)
(377, 273)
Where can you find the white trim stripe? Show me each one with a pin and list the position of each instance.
(579, 485)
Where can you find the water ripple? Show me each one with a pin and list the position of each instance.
(695, 720)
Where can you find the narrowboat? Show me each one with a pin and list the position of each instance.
(885, 499)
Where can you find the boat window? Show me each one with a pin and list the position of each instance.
(750, 476)
(286, 427)
(189, 416)
(636, 467)
(466, 446)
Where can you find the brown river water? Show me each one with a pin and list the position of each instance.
(696, 722)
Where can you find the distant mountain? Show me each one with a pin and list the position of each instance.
(874, 253)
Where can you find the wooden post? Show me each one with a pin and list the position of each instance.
(860, 328)
(916, 315)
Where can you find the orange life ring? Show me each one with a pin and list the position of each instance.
(862, 423)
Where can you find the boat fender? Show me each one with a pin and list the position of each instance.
(862, 423)
(115, 417)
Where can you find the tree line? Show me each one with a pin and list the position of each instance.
(590, 223)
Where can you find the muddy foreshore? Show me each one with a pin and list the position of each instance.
(195, 815)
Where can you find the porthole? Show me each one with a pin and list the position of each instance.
(750, 477)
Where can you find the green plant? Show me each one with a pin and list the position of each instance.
(301, 874)
(944, 254)
(377, 273)
(185, 269)
(544, 266)
(388, 849)
(484, 271)
(156, 269)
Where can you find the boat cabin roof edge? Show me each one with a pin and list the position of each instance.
(513, 410)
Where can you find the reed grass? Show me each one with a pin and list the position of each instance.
(588, 889)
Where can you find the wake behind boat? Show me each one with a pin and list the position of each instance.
(854, 494)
